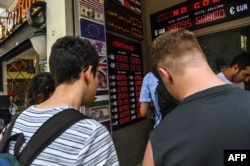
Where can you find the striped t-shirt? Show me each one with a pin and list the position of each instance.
(87, 142)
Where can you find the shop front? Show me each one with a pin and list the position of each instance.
(19, 58)
(222, 27)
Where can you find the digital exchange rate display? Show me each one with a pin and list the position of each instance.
(198, 14)
(121, 21)
(125, 80)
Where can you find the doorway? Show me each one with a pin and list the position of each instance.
(19, 71)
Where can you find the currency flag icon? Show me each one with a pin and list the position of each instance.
(92, 30)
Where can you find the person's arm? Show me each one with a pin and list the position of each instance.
(144, 107)
(148, 159)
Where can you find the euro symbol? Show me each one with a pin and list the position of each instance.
(232, 12)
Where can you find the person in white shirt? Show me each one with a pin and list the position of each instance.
(238, 72)
(13, 107)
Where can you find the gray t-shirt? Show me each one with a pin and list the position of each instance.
(202, 126)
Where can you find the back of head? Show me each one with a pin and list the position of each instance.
(41, 83)
(177, 49)
(70, 55)
(242, 60)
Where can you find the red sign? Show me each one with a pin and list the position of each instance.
(198, 14)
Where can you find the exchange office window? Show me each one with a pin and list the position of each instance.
(220, 48)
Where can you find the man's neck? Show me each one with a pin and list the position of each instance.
(227, 74)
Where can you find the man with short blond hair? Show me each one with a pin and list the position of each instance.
(212, 116)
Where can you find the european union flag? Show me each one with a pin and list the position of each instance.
(92, 30)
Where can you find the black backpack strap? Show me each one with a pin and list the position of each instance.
(19, 138)
(47, 133)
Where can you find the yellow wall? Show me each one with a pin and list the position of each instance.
(19, 75)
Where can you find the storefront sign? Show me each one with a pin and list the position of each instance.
(11, 19)
(125, 79)
(198, 14)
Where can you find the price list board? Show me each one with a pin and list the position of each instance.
(198, 14)
(125, 80)
(122, 21)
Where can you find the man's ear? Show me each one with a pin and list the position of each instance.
(165, 75)
(87, 74)
(235, 68)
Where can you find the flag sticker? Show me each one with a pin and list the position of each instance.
(92, 30)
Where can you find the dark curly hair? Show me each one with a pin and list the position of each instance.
(242, 60)
(41, 83)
